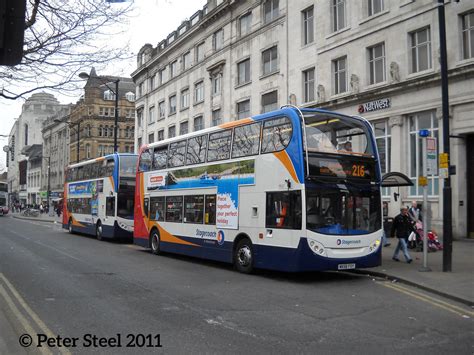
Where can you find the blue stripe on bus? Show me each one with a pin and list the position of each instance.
(270, 257)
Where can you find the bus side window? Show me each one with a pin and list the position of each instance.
(145, 160)
(110, 206)
(283, 210)
(146, 204)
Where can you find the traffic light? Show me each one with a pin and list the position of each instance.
(12, 31)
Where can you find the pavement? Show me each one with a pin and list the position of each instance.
(457, 285)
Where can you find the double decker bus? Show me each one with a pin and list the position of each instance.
(99, 196)
(3, 198)
(289, 190)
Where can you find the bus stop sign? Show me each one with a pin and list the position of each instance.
(431, 156)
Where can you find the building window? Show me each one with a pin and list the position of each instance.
(308, 85)
(377, 63)
(109, 95)
(183, 128)
(184, 99)
(26, 133)
(216, 117)
(171, 131)
(152, 82)
(270, 60)
(162, 76)
(338, 11)
(173, 69)
(339, 74)
(218, 39)
(151, 138)
(139, 142)
(420, 50)
(151, 115)
(216, 84)
(383, 140)
(243, 72)
(140, 117)
(199, 92)
(308, 25)
(186, 60)
(141, 89)
(198, 123)
(88, 151)
(88, 131)
(243, 109)
(245, 24)
(161, 135)
(374, 7)
(172, 104)
(130, 96)
(161, 110)
(423, 120)
(270, 10)
(468, 35)
(270, 101)
(199, 52)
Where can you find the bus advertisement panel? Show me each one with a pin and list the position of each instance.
(99, 195)
(289, 190)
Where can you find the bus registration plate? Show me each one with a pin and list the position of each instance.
(346, 266)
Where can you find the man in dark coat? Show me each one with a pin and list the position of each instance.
(403, 226)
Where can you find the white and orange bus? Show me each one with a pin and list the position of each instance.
(288, 190)
(99, 195)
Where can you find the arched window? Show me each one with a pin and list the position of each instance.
(101, 133)
(88, 151)
(88, 131)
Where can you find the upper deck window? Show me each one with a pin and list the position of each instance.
(329, 133)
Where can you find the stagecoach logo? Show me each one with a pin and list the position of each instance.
(348, 242)
(374, 105)
(220, 238)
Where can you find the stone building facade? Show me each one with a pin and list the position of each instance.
(25, 133)
(378, 58)
(94, 115)
(55, 152)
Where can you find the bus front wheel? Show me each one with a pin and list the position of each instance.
(98, 231)
(155, 242)
(243, 256)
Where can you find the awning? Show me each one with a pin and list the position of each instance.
(396, 179)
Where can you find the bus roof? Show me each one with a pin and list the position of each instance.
(242, 122)
(95, 160)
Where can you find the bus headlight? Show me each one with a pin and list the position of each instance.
(374, 245)
(317, 247)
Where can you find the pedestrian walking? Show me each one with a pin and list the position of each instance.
(403, 226)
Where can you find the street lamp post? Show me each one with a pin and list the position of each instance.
(116, 93)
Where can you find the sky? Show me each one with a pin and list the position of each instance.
(153, 21)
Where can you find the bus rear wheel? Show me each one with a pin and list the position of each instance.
(155, 242)
(69, 225)
(98, 231)
(243, 256)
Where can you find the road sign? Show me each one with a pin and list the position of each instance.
(422, 181)
(431, 156)
(443, 160)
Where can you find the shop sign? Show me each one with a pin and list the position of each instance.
(374, 105)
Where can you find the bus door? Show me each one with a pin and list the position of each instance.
(110, 206)
(283, 215)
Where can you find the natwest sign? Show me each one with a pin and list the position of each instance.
(374, 105)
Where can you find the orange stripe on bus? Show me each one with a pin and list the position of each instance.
(284, 158)
(236, 123)
(169, 238)
(111, 178)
